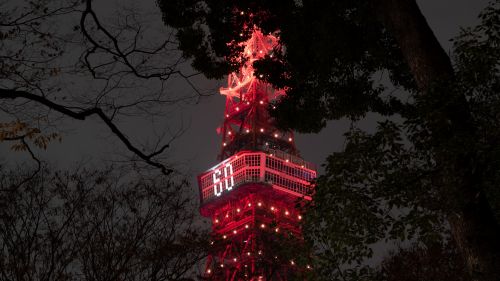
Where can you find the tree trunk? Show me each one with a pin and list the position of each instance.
(473, 225)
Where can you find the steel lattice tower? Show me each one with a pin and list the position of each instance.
(251, 195)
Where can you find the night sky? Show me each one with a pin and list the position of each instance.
(196, 150)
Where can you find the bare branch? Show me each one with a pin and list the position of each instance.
(32, 155)
(82, 115)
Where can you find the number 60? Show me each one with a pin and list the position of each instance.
(228, 182)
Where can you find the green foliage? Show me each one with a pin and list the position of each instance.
(477, 59)
(379, 189)
(436, 262)
(400, 182)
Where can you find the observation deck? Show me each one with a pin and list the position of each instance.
(263, 172)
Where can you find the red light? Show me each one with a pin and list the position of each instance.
(244, 92)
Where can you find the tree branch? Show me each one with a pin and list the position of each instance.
(82, 115)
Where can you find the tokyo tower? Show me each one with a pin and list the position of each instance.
(251, 196)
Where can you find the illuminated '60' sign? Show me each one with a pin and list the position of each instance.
(228, 179)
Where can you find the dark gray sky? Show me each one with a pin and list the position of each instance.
(197, 148)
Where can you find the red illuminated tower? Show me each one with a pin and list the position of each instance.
(251, 195)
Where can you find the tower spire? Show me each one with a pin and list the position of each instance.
(251, 195)
(247, 123)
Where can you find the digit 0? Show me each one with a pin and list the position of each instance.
(229, 182)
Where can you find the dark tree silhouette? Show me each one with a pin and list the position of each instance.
(430, 165)
(435, 262)
(60, 61)
(97, 225)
